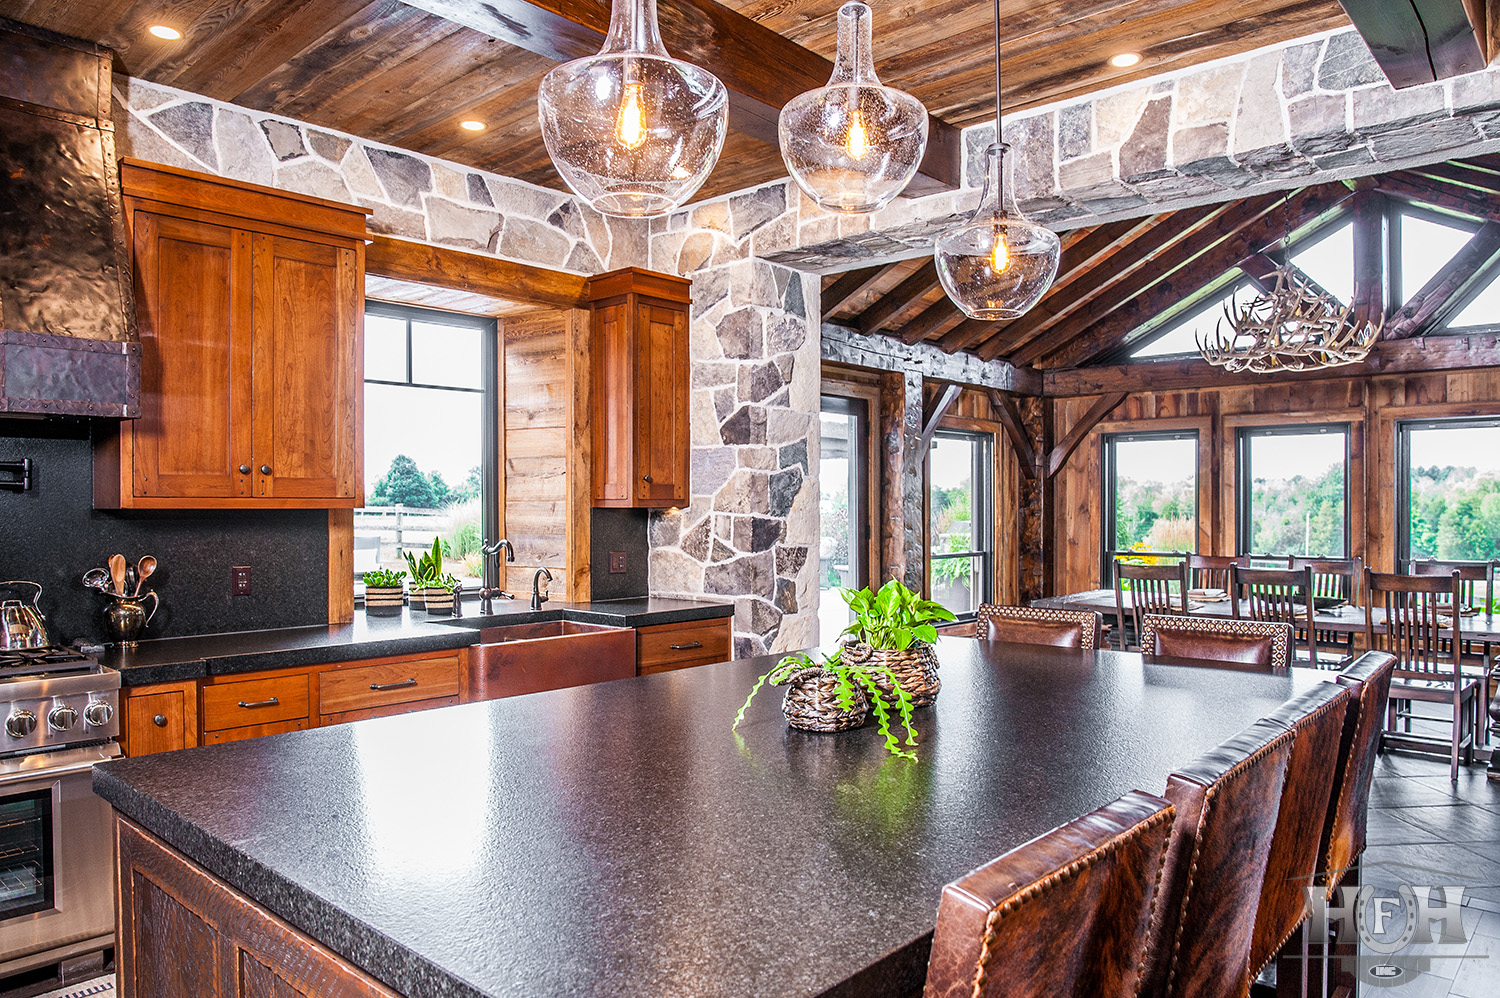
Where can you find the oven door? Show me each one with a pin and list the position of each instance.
(56, 858)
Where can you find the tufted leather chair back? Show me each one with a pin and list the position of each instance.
(1063, 916)
(1227, 802)
(1369, 682)
(1033, 626)
(1317, 717)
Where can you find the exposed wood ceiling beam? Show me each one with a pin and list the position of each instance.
(1009, 415)
(1441, 296)
(959, 337)
(929, 321)
(850, 285)
(1432, 353)
(761, 69)
(842, 345)
(453, 269)
(921, 281)
(933, 414)
(1411, 187)
(1418, 41)
(1480, 181)
(1371, 278)
(1085, 425)
(1210, 256)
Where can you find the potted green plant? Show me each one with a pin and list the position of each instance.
(835, 695)
(383, 590)
(428, 583)
(893, 631)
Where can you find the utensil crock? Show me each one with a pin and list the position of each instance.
(126, 617)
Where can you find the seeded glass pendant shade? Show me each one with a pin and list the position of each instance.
(853, 145)
(997, 264)
(632, 130)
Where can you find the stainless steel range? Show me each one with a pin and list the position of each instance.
(56, 847)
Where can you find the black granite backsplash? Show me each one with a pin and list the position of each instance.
(619, 530)
(52, 535)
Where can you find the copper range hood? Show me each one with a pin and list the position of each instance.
(68, 343)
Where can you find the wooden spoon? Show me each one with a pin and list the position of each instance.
(117, 573)
(143, 570)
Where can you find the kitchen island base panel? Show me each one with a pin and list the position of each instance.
(179, 927)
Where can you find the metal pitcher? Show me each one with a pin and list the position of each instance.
(126, 617)
(21, 626)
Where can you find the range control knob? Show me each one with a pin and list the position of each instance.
(62, 717)
(20, 723)
(98, 713)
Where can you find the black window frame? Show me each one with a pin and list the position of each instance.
(1403, 469)
(860, 501)
(489, 354)
(1244, 479)
(982, 525)
(1108, 466)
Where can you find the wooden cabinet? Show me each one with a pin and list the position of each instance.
(639, 354)
(184, 934)
(390, 686)
(664, 647)
(250, 304)
(162, 717)
(236, 707)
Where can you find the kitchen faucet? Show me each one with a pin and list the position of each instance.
(491, 553)
(537, 599)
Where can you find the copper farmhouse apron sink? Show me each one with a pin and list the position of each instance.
(550, 655)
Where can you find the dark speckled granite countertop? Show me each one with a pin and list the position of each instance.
(167, 660)
(620, 839)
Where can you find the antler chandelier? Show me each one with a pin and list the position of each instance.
(1297, 327)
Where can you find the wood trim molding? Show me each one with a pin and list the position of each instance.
(438, 266)
(340, 566)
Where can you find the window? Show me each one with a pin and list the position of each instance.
(1425, 244)
(1182, 338)
(430, 444)
(1292, 490)
(961, 532)
(1330, 261)
(1448, 489)
(844, 516)
(1150, 493)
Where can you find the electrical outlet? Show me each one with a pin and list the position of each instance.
(239, 580)
(617, 563)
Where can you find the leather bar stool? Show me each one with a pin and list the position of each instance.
(1029, 625)
(1369, 682)
(1227, 802)
(1064, 916)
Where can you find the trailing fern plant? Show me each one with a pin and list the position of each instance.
(894, 617)
(847, 677)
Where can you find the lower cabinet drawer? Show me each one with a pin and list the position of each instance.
(386, 683)
(389, 710)
(255, 702)
(253, 731)
(674, 646)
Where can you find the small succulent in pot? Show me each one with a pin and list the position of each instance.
(383, 593)
(835, 695)
(894, 629)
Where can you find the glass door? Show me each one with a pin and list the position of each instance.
(843, 532)
(26, 853)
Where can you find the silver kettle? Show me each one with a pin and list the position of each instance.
(22, 627)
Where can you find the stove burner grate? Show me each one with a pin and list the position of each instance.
(36, 661)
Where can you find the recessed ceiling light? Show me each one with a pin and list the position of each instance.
(1125, 60)
(164, 32)
(471, 126)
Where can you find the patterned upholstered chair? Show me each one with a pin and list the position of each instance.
(1030, 625)
(1262, 643)
(1066, 915)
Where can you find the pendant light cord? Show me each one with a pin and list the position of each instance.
(997, 72)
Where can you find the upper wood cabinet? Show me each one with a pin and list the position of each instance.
(250, 304)
(640, 361)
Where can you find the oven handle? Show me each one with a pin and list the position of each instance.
(39, 775)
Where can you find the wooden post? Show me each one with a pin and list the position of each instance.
(1037, 506)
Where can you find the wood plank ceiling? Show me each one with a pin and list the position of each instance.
(396, 74)
(1114, 279)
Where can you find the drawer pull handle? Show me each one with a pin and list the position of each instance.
(394, 686)
(274, 701)
(689, 646)
(160, 720)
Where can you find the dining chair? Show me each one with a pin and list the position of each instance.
(1066, 915)
(1209, 571)
(1279, 595)
(1335, 580)
(1369, 681)
(1227, 802)
(1262, 643)
(1029, 625)
(1472, 575)
(1427, 655)
(1317, 719)
(1150, 592)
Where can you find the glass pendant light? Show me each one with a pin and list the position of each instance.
(632, 130)
(853, 145)
(997, 265)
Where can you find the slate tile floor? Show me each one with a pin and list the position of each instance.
(1451, 832)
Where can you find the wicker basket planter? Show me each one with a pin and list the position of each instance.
(916, 669)
(812, 703)
(383, 601)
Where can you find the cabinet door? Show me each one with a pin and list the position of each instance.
(307, 318)
(160, 719)
(193, 307)
(661, 395)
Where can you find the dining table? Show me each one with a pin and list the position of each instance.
(626, 838)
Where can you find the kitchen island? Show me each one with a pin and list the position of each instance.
(620, 839)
